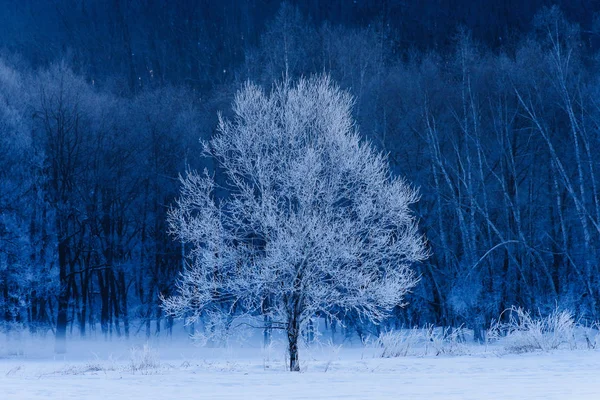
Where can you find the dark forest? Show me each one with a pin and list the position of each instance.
(490, 108)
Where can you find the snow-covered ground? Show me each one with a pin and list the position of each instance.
(179, 370)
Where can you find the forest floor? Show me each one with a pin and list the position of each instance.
(180, 370)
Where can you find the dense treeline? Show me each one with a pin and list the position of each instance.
(86, 180)
(102, 105)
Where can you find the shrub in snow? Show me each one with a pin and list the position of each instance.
(333, 354)
(445, 340)
(143, 359)
(591, 334)
(397, 343)
(426, 341)
(524, 332)
(313, 223)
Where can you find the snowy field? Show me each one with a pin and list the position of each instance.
(179, 370)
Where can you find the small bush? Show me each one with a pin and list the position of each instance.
(524, 333)
(445, 340)
(591, 334)
(397, 343)
(143, 359)
(420, 342)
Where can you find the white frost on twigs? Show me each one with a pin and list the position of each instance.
(313, 223)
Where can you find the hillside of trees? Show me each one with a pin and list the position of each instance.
(492, 112)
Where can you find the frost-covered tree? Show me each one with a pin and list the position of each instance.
(314, 223)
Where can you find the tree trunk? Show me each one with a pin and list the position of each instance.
(114, 300)
(104, 304)
(267, 324)
(123, 297)
(267, 331)
(293, 331)
(60, 345)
